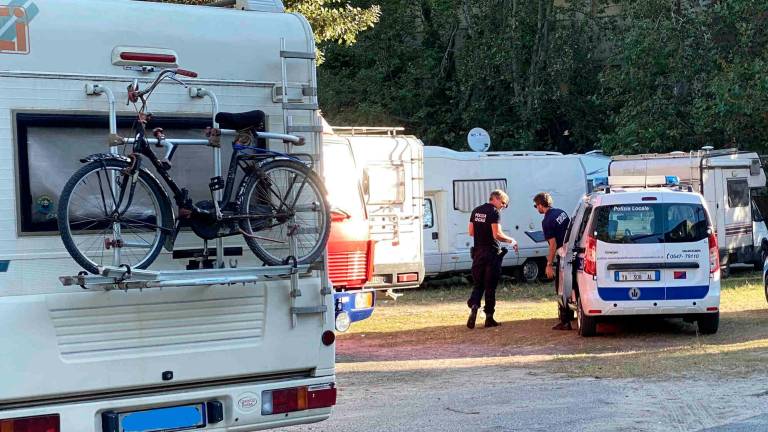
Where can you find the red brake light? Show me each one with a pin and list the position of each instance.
(148, 57)
(590, 256)
(49, 423)
(298, 399)
(714, 254)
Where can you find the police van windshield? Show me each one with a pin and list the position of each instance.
(651, 223)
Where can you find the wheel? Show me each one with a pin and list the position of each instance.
(708, 323)
(531, 270)
(101, 226)
(282, 197)
(587, 324)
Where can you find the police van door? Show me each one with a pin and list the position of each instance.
(570, 254)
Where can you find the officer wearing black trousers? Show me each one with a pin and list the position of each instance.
(487, 255)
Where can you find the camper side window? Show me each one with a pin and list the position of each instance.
(429, 217)
(468, 194)
(738, 193)
(50, 147)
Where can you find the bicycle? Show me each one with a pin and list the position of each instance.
(113, 209)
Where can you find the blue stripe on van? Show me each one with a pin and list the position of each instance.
(4, 265)
(622, 293)
(687, 292)
(654, 293)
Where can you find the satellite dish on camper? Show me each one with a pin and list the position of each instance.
(479, 140)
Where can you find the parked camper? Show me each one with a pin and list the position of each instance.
(195, 354)
(457, 182)
(596, 166)
(393, 182)
(350, 248)
(726, 178)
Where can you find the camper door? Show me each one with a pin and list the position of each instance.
(738, 214)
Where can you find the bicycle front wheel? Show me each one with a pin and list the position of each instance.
(106, 219)
(288, 213)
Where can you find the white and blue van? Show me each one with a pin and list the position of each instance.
(640, 246)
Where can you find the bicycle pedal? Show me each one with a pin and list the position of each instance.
(217, 183)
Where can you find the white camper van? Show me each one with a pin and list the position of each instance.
(726, 178)
(457, 182)
(393, 184)
(208, 356)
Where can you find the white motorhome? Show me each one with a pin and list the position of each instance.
(393, 184)
(457, 182)
(726, 178)
(212, 357)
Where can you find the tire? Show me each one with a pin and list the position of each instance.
(708, 323)
(252, 199)
(530, 271)
(587, 324)
(148, 192)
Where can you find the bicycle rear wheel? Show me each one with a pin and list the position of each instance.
(285, 200)
(102, 223)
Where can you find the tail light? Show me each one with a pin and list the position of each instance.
(714, 254)
(590, 256)
(49, 423)
(298, 399)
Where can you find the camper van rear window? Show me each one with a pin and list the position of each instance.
(738, 193)
(50, 147)
(468, 194)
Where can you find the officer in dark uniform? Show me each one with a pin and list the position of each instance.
(554, 225)
(487, 255)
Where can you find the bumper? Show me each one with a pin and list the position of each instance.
(242, 407)
(677, 307)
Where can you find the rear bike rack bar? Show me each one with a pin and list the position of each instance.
(122, 278)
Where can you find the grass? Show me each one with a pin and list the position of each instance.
(428, 325)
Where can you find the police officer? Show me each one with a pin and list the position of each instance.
(487, 255)
(554, 225)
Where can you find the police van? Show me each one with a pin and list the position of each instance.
(640, 245)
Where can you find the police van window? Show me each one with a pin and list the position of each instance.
(738, 193)
(584, 223)
(429, 218)
(50, 147)
(651, 223)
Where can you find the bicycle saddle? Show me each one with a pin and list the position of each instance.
(238, 121)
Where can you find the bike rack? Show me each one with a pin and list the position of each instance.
(124, 278)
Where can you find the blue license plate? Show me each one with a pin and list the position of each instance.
(164, 419)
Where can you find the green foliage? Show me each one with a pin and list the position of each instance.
(629, 77)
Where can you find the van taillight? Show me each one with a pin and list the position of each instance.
(49, 423)
(590, 256)
(298, 399)
(714, 254)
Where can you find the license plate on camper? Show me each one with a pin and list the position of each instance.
(637, 276)
(164, 419)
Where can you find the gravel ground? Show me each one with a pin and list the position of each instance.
(502, 398)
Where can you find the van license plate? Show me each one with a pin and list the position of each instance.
(637, 276)
(164, 419)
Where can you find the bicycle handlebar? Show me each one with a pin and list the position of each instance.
(162, 75)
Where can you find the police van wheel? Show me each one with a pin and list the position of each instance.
(708, 323)
(531, 271)
(587, 324)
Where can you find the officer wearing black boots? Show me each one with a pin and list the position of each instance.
(487, 255)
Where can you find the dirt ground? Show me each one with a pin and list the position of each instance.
(415, 366)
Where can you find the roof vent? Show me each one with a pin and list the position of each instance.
(261, 5)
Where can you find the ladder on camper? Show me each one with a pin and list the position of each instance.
(308, 104)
